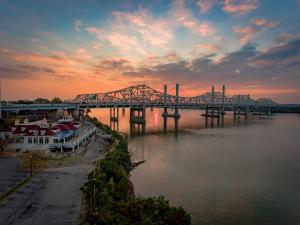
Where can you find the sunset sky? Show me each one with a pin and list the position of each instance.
(66, 47)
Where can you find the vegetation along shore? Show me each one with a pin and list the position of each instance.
(109, 194)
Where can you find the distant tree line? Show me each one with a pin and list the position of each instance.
(109, 195)
(55, 100)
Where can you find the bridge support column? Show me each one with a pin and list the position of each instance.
(138, 115)
(213, 101)
(114, 118)
(165, 113)
(176, 113)
(211, 107)
(223, 100)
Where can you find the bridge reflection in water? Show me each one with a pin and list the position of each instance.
(138, 122)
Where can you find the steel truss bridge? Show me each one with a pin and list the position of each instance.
(144, 96)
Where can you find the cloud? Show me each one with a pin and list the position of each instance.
(155, 32)
(201, 49)
(286, 54)
(262, 22)
(206, 29)
(17, 71)
(205, 5)
(245, 67)
(184, 17)
(245, 34)
(258, 25)
(284, 37)
(240, 7)
(95, 30)
(116, 64)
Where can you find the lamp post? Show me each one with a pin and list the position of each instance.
(31, 165)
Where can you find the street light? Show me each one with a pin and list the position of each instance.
(31, 165)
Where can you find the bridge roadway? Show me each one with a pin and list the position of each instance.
(74, 106)
(142, 96)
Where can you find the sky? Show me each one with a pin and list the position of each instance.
(67, 47)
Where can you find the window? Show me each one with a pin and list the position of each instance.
(46, 140)
(41, 140)
(35, 140)
(30, 140)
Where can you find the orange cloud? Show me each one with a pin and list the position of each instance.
(245, 33)
(240, 7)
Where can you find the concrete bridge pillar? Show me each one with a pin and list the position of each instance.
(212, 100)
(165, 113)
(176, 114)
(223, 100)
(138, 115)
(114, 118)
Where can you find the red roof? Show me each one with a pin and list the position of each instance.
(66, 127)
(23, 129)
(35, 130)
(40, 132)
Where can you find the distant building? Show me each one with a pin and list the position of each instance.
(66, 135)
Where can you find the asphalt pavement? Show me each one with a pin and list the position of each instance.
(53, 197)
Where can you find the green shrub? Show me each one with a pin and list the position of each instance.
(114, 202)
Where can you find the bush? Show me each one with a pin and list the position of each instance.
(114, 202)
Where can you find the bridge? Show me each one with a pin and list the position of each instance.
(142, 96)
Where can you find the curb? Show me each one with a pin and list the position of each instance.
(17, 187)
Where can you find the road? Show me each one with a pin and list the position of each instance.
(11, 174)
(53, 197)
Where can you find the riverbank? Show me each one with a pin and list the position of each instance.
(109, 194)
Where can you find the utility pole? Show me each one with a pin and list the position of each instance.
(31, 165)
(0, 100)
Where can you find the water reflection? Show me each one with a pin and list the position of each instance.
(227, 171)
(155, 123)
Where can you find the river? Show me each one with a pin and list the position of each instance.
(228, 173)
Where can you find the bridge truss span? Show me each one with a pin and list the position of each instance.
(142, 95)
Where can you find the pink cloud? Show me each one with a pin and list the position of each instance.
(245, 34)
(206, 29)
(262, 22)
(205, 5)
(95, 30)
(257, 26)
(147, 29)
(240, 7)
(184, 17)
(209, 47)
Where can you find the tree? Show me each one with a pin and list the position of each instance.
(56, 100)
(41, 101)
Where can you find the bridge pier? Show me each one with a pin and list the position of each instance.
(210, 109)
(165, 113)
(114, 114)
(176, 113)
(114, 118)
(138, 115)
(241, 110)
(165, 124)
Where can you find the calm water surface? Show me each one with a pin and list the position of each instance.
(235, 172)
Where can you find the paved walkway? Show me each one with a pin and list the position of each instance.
(11, 174)
(52, 197)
